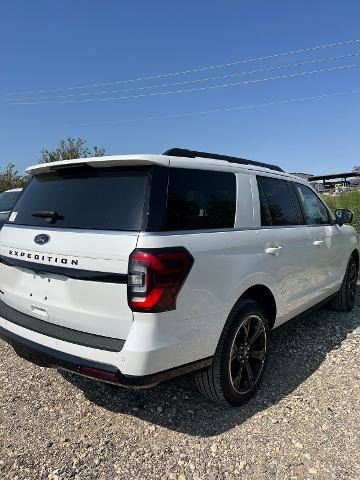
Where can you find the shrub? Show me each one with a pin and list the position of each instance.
(347, 200)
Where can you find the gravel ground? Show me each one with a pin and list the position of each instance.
(303, 423)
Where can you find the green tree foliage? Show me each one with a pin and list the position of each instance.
(69, 149)
(356, 168)
(10, 178)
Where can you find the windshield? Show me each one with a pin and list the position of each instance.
(8, 200)
(88, 198)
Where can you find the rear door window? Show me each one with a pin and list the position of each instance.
(86, 198)
(278, 204)
(200, 199)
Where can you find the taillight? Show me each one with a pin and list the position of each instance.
(155, 278)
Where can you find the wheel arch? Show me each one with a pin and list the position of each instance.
(264, 297)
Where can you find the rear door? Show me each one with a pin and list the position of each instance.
(65, 248)
(284, 243)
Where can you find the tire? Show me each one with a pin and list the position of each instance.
(228, 380)
(345, 298)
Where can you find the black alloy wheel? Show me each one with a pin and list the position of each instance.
(248, 353)
(352, 282)
(240, 357)
(344, 300)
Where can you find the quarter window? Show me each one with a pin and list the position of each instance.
(200, 199)
(315, 211)
(277, 203)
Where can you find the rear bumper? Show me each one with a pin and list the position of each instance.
(48, 357)
(58, 332)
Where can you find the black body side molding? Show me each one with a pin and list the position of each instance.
(75, 273)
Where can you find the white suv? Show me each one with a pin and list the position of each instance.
(7, 201)
(136, 269)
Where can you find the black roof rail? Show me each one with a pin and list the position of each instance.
(183, 152)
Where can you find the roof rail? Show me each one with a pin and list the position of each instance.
(183, 152)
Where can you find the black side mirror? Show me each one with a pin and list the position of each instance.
(343, 215)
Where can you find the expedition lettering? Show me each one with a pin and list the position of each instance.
(44, 258)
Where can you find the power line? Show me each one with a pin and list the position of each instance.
(189, 90)
(227, 109)
(151, 87)
(192, 70)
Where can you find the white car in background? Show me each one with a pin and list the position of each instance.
(7, 201)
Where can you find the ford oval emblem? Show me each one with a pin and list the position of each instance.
(41, 239)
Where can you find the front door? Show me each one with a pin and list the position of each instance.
(325, 236)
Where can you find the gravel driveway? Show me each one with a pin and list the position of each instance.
(303, 423)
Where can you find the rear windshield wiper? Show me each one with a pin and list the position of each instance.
(49, 215)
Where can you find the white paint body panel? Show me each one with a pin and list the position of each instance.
(226, 264)
(93, 307)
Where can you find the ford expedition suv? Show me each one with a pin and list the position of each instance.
(135, 269)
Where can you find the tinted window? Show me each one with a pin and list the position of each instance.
(8, 200)
(264, 209)
(281, 205)
(314, 210)
(199, 199)
(105, 199)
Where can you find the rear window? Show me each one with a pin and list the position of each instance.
(86, 198)
(200, 199)
(8, 200)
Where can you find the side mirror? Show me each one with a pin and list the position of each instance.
(343, 215)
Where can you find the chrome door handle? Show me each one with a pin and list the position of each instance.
(273, 250)
(318, 243)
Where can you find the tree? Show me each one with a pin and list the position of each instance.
(69, 149)
(10, 178)
(356, 168)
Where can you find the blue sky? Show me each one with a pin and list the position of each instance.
(49, 44)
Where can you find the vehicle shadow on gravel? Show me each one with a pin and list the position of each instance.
(298, 349)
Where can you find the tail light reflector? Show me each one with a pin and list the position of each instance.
(156, 277)
(95, 372)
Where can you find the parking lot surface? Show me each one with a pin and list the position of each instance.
(303, 422)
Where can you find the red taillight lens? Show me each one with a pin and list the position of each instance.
(156, 277)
